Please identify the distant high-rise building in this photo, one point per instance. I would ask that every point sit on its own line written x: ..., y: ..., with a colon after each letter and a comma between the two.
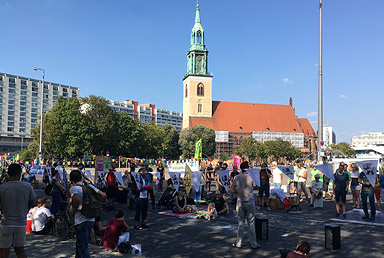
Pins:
x: 20, y: 102
x: 148, y: 112
x: 329, y: 136
x: 374, y: 138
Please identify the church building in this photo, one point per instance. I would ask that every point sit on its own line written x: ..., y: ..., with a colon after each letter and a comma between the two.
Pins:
x: 235, y: 121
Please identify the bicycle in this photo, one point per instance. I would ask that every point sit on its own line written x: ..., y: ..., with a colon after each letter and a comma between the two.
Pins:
x: 63, y: 223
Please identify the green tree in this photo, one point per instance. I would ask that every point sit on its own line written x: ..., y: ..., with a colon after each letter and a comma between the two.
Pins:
x: 101, y: 127
x: 153, y: 139
x: 130, y: 136
x: 281, y: 149
x: 248, y: 147
x: 189, y: 137
x: 224, y: 156
x: 170, y: 145
x: 342, y: 147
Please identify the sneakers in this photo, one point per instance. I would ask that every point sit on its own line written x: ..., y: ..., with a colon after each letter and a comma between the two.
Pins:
x: 237, y: 246
x: 256, y: 247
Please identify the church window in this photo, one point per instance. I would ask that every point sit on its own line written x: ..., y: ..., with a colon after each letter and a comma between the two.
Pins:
x: 186, y: 90
x: 199, y: 108
x: 200, y: 90
x: 198, y: 37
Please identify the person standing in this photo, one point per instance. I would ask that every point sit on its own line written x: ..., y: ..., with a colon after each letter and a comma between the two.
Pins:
x: 245, y: 208
x: 277, y: 176
x: 367, y: 191
x: 57, y: 191
x: 355, y: 186
x: 110, y: 178
x: 142, y: 202
x: 149, y: 176
x: 340, y: 189
x: 316, y: 189
x: 83, y: 225
x: 301, y: 178
x: 16, y: 198
x: 265, y: 175
x: 160, y: 169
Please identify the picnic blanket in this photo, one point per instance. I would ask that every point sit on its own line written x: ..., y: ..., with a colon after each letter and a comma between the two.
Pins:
x: 191, y: 215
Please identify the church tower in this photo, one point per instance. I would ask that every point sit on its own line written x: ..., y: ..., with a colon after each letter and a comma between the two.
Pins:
x: 197, y: 83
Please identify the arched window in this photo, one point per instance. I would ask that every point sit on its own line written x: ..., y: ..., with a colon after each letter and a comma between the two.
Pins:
x: 186, y: 90
x: 200, y: 89
x: 198, y: 37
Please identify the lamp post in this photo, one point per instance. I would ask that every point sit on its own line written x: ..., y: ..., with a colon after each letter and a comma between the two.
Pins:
x: 41, y: 113
x: 320, y: 88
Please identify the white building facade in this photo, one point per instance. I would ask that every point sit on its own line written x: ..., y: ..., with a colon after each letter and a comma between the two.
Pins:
x: 374, y: 138
x: 20, y: 105
x: 329, y: 136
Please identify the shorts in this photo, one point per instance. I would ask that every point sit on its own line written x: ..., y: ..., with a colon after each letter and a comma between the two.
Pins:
x: 111, y: 192
x: 302, y: 187
x: 355, y: 188
x: 325, y: 186
x: 341, y: 196
x: 377, y: 193
x: 12, y: 236
x: 264, y: 191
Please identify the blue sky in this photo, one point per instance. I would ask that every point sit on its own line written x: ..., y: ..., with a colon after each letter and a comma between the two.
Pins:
x: 261, y: 51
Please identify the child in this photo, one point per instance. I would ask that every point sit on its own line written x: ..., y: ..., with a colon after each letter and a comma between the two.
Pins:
x: 211, y: 213
x: 116, y: 231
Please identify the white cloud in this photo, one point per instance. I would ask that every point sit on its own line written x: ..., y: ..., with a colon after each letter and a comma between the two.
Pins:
x: 343, y: 96
x: 314, y: 113
x: 287, y: 80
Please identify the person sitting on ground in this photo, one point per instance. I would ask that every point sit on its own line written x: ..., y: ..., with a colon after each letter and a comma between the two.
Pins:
x: 30, y: 214
x: 316, y: 189
x: 221, y: 204
x: 212, y: 212
x: 302, y: 250
x: 117, y: 231
x: 180, y: 202
x: 43, y: 219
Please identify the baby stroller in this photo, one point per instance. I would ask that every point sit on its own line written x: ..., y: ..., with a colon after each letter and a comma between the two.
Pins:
x: 167, y: 198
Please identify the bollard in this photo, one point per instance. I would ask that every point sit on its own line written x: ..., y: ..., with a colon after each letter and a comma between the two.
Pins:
x: 332, y: 237
x: 261, y: 225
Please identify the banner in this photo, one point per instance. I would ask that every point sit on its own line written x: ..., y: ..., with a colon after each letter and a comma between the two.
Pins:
x: 196, y: 179
x: 36, y: 170
x: 327, y: 170
x: 89, y: 175
x: 288, y: 171
x: 175, y: 176
x: 99, y: 163
x: 187, y: 180
x: 255, y: 175
x: 136, y: 177
x: 119, y: 178
x: 198, y: 150
x: 369, y: 168
x: 155, y: 173
x: 224, y: 178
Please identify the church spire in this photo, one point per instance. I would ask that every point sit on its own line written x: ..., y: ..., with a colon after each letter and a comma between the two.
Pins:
x: 197, y: 17
x: 197, y: 54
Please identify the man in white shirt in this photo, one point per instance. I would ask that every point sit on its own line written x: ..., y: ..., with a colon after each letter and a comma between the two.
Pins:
x: 42, y: 218
x: 277, y: 176
x: 316, y: 189
x: 83, y: 225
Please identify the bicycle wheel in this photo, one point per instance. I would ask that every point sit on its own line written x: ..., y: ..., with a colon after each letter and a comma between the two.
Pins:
x: 61, y: 228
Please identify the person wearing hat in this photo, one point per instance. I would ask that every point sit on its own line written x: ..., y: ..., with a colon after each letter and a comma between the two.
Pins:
x: 316, y: 189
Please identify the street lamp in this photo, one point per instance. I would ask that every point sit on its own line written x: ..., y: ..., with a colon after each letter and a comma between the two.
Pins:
x: 320, y: 87
x: 41, y: 113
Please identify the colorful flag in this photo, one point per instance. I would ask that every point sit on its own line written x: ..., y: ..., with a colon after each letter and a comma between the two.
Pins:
x: 198, y: 150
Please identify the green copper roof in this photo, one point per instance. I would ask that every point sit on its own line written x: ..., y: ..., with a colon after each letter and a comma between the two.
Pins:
x: 197, y: 54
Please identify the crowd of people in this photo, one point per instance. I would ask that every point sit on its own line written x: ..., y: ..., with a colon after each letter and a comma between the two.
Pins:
x: 22, y: 213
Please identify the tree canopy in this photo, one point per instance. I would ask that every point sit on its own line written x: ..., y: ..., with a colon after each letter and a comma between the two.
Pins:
x: 189, y: 137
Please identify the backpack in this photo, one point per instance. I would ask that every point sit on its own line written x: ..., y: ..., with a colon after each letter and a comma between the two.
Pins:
x: 124, y: 247
x: 91, y: 205
x: 111, y: 179
x: 48, y: 189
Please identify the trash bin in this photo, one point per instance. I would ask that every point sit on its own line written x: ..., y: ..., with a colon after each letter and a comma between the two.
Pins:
x: 332, y: 237
x: 261, y: 225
